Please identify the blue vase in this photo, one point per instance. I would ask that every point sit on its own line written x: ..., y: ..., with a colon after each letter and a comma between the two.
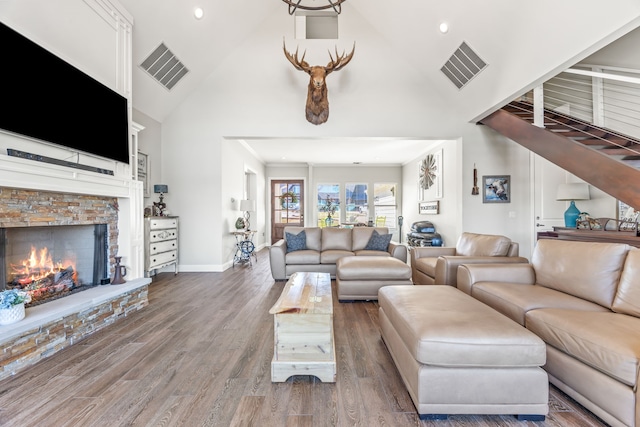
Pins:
x: 328, y: 221
x: 571, y: 215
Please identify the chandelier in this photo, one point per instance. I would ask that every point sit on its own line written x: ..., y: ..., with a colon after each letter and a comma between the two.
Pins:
x: 336, y: 5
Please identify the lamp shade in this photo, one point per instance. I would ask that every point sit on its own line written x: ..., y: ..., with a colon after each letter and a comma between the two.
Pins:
x: 575, y: 191
x: 160, y: 188
x: 248, y: 205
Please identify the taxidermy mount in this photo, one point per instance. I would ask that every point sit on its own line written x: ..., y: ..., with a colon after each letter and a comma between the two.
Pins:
x: 317, y: 109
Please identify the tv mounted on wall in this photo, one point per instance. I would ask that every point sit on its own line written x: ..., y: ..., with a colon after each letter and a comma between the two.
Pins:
x: 46, y: 98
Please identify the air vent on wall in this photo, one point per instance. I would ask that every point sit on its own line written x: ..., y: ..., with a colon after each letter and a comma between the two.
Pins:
x: 463, y: 65
x: 163, y: 66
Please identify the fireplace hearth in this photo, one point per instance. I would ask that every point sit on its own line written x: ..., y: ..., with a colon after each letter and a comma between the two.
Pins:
x: 53, y: 261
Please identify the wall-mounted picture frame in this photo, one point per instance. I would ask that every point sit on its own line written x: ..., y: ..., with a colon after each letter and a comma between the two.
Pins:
x: 496, y: 189
x: 143, y: 173
x: 429, y: 208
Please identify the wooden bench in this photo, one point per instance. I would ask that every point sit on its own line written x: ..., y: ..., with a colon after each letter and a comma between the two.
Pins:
x: 303, y: 329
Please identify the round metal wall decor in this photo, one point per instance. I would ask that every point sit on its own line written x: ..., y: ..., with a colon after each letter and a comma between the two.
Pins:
x: 428, y: 170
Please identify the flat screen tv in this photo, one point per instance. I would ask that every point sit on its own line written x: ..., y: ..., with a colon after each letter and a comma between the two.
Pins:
x: 46, y: 98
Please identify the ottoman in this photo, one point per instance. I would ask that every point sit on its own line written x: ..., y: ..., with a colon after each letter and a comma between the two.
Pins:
x: 457, y: 355
x: 360, y: 277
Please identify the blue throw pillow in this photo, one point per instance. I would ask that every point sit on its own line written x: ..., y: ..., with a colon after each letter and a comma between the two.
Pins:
x: 378, y: 242
x: 296, y: 242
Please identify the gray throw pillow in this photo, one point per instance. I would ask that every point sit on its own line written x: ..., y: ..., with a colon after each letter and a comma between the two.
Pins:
x: 378, y: 242
x: 296, y: 242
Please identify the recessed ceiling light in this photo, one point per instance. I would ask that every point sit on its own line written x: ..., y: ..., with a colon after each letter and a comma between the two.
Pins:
x: 198, y: 12
x: 444, y: 27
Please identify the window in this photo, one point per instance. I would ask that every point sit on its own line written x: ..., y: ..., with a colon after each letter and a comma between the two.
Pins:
x: 328, y: 205
x: 356, y: 203
x: 384, y: 201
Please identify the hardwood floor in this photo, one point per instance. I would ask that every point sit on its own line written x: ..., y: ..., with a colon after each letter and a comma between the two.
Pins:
x: 200, y: 355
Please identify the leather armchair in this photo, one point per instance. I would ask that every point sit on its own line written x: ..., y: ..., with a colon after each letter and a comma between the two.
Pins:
x: 439, y: 265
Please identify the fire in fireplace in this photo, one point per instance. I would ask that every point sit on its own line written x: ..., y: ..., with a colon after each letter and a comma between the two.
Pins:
x: 52, y: 262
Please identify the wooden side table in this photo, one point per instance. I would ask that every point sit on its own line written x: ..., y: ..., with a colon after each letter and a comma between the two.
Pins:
x: 303, y: 329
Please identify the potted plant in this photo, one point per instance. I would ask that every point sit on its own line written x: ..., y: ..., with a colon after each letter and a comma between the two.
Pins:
x: 12, y: 305
x: 330, y: 207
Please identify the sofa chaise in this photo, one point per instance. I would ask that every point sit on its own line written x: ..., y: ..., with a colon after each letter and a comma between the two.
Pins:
x: 583, y: 300
x: 323, y: 247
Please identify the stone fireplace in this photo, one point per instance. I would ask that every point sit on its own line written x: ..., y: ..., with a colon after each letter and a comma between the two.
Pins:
x: 59, y: 205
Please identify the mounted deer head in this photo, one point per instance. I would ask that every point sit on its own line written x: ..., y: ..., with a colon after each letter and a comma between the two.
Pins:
x: 317, y: 109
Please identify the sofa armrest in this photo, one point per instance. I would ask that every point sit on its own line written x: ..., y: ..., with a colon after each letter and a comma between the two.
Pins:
x: 397, y: 250
x: 431, y: 252
x: 470, y: 274
x: 277, y: 253
x: 447, y: 266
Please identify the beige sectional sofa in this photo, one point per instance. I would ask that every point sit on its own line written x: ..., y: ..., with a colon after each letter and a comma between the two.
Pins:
x: 583, y: 300
x: 324, y: 247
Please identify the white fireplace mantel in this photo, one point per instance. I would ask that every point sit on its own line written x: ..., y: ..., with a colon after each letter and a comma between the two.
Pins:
x: 34, y: 175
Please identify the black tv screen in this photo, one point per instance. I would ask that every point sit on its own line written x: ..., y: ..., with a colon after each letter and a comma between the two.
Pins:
x: 46, y: 98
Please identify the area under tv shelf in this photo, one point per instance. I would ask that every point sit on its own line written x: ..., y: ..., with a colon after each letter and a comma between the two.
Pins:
x: 45, y: 159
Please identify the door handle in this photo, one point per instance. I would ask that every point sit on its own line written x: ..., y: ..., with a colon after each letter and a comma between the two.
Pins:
x: 539, y: 225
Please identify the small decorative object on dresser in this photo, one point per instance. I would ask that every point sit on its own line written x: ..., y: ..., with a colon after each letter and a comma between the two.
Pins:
x: 161, y: 243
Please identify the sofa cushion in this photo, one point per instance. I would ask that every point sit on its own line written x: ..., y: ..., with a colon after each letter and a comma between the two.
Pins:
x: 587, y: 270
x: 306, y: 256
x: 627, y: 299
x: 471, y: 244
x: 331, y: 256
x: 314, y: 236
x: 606, y: 341
x: 296, y: 242
x: 336, y: 238
x: 514, y: 300
x: 378, y: 242
x: 361, y: 236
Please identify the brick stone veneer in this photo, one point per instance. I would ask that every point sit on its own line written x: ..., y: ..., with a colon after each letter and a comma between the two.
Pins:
x: 42, y: 341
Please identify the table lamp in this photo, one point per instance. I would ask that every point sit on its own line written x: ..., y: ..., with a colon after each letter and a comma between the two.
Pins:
x: 246, y: 206
x: 572, y: 192
x: 160, y: 206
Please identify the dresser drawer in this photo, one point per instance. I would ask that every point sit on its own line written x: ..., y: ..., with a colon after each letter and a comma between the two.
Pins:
x: 160, y: 235
x: 164, y: 246
x: 159, y: 223
x: 158, y: 260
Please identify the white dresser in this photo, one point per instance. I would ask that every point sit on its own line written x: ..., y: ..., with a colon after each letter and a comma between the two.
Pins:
x: 161, y: 243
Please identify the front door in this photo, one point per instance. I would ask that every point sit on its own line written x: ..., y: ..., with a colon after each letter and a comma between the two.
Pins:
x: 287, y: 206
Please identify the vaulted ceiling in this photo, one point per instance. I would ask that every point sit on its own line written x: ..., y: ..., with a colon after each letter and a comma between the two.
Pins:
x: 524, y: 43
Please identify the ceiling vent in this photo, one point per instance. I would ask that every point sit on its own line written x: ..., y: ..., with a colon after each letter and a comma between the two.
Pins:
x: 463, y: 65
x: 163, y: 66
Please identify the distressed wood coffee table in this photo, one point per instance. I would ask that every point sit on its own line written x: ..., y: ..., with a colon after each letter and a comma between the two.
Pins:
x: 303, y: 329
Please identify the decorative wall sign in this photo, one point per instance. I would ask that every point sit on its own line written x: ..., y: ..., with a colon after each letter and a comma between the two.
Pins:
x: 429, y: 208
x: 496, y: 189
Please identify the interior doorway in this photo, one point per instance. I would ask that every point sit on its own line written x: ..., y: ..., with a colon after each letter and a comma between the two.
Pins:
x: 287, y: 206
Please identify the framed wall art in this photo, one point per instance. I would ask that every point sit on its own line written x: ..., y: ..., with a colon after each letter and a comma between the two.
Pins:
x: 143, y: 172
x: 496, y: 189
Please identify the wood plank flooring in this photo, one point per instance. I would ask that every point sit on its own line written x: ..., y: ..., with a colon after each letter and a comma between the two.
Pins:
x: 200, y: 355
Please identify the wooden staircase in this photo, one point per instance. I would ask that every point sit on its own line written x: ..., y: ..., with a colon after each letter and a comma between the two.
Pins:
x: 601, y: 157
